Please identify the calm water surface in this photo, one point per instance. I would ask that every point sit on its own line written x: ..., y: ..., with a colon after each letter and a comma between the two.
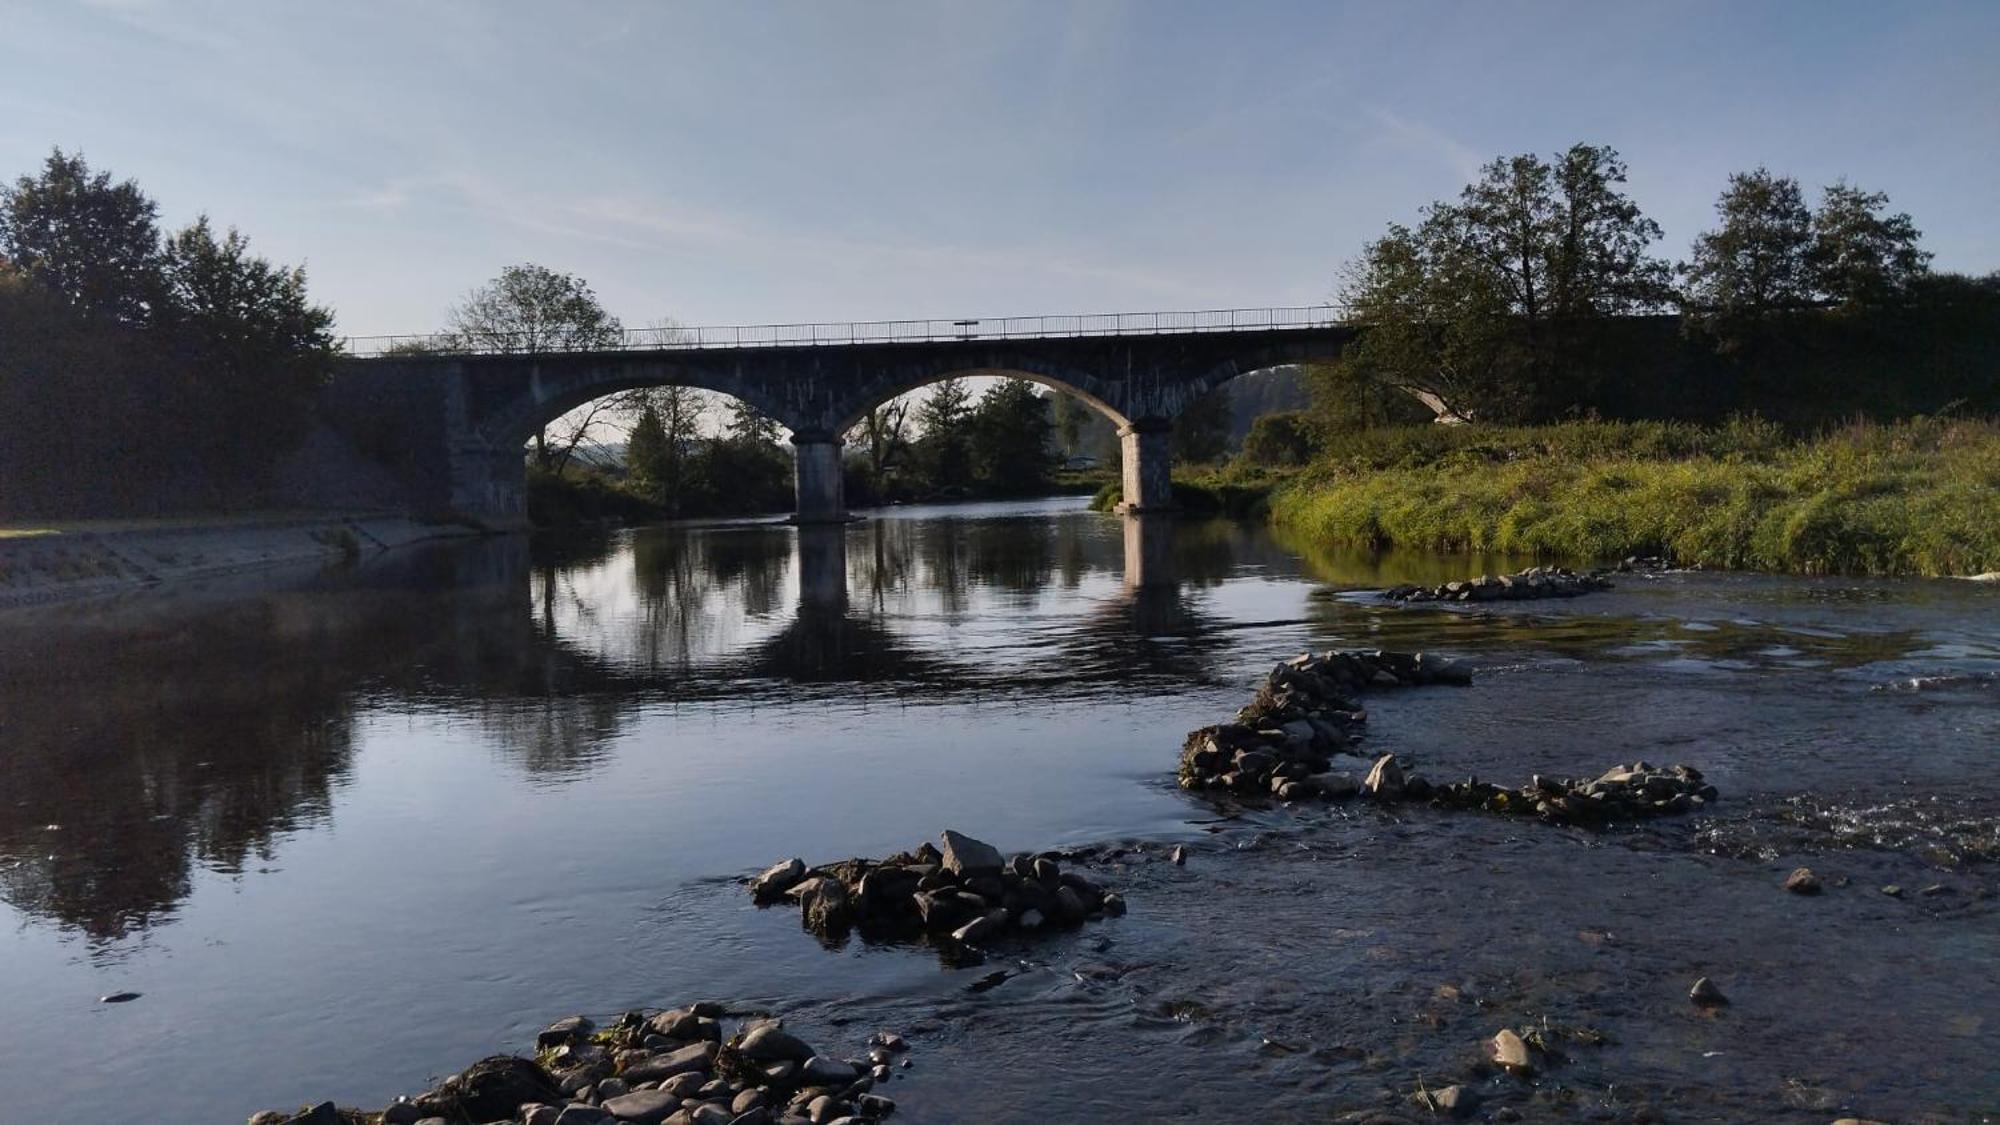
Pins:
x: 350, y: 833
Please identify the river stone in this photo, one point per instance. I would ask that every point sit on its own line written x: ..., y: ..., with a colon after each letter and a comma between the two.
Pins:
x: 563, y: 1031
x: 777, y: 879
x: 770, y: 1042
x: 828, y: 908
x: 964, y: 855
x: 748, y: 1100
x: 647, y: 1107
x: 980, y: 928
x: 491, y: 1089
x: 1706, y: 994
x: 1802, y: 881
x: 1385, y: 780
x: 1453, y: 1101
x: 822, y: 1071
x: 677, y: 1024
x: 574, y: 1114
x: 1511, y: 1052
x: 1335, y: 785
x: 686, y: 1085
x: 755, y: 1115
x: 698, y: 1057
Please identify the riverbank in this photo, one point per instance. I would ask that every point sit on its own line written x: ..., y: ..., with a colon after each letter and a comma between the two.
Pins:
x: 57, y: 562
x: 1912, y: 498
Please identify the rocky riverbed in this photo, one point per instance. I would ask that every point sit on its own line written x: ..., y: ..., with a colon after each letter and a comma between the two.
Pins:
x: 1534, y: 582
x: 682, y: 1066
x: 958, y: 894
x: 1291, y: 740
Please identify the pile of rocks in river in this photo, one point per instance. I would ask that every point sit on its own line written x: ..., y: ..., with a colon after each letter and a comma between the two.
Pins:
x: 962, y: 894
x: 1622, y: 793
x: 678, y: 1067
x: 1283, y: 743
x: 1534, y: 582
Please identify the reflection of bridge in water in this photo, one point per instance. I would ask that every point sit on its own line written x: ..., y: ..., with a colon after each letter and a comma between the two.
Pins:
x: 250, y: 704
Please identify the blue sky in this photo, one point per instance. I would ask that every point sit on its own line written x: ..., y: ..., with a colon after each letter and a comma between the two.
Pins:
x: 754, y: 162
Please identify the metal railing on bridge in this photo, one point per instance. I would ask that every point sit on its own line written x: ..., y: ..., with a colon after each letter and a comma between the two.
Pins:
x: 679, y: 337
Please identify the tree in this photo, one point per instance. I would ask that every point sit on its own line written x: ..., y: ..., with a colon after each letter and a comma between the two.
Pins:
x: 1201, y: 433
x: 531, y: 308
x: 1068, y: 412
x: 257, y: 345
x: 667, y: 464
x: 882, y: 432
x: 1009, y: 437
x: 941, y: 417
x: 646, y: 451
x: 1283, y: 438
x: 1489, y: 303
x: 1861, y: 257
x: 747, y: 423
x: 1757, y: 261
x: 93, y: 243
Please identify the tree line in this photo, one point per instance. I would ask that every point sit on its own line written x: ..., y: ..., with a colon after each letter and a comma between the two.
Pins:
x: 1537, y: 294
x: 142, y: 370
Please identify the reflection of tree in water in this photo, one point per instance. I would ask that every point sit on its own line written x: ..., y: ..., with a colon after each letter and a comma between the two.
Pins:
x: 193, y: 735
x: 196, y: 743
x: 882, y: 565
x: 1017, y: 555
x: 682, y: 576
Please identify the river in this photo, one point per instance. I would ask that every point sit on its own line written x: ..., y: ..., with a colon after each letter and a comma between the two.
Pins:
x: 347, y: 832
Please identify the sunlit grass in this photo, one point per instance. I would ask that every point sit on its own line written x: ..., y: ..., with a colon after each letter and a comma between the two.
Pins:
x: 1917, y: 497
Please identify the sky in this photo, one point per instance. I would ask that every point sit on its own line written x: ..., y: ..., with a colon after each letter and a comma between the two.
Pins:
x: 749, y: 163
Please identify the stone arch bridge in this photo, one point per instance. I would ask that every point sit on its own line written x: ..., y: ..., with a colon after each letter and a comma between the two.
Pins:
x: 452, y: 415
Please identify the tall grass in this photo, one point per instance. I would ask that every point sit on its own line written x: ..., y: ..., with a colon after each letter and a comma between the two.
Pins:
x: 1914, y: 497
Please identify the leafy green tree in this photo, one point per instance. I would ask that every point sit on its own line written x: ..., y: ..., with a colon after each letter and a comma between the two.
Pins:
x: 258, y: 346
x: 671, y: 471
x: 1485, y: 309
x: 1068, y: 413
x: 1344, y: 398
x: 1283, y: 438
x: 92, y: 242
x: 943, y: 446
x: 647, y: 459
x: 1756, y: 261
x: 1201, y: 432
x: 1862, y: 257
x: 531, y: 308
x: 1009, y: 437
x: 747, y: 423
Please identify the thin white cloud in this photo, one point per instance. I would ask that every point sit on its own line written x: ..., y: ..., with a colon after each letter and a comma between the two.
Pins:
x: 1426, y: 140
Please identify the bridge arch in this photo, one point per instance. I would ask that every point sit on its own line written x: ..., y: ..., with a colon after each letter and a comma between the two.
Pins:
x: 1073, y: 384
x: 512, y: 423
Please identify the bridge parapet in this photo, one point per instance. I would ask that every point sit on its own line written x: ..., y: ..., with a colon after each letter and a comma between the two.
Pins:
x: 734, y: 336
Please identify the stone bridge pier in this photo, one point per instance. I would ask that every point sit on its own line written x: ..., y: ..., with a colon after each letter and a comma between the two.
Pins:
x: 446, y: 433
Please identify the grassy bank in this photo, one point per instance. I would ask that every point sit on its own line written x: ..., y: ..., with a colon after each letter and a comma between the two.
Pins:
x: 1917, y: 497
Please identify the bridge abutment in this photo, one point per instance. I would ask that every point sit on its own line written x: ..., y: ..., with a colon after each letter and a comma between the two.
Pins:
x: 816, y: 477
x: 1147, y: 449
